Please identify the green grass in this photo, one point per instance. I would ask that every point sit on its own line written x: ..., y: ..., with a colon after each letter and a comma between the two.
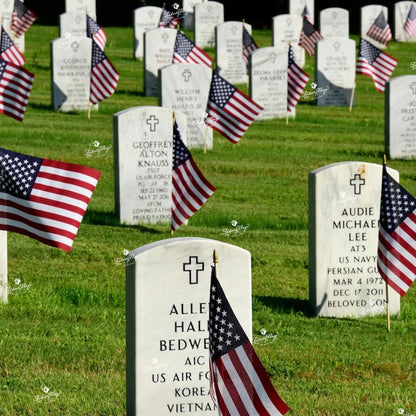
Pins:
x: 67, y: 330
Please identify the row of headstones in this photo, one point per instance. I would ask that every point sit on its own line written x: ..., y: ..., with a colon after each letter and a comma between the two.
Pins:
x: 170, y: 360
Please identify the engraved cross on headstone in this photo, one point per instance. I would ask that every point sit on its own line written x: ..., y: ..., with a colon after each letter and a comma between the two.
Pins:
x: 186, y: 75
x: 357, y: 182
x: 336, y: 45
x: 412, y: 86
x: 152, y: 121
x: 165, y: 37
x: 193, y: 267
x: 75, y: 46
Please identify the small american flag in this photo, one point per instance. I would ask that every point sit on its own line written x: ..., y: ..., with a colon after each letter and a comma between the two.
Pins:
x: 249, y: 45
x: 9, y: 51
x: 104, y: 77
x: 375, y: 64
x: 307, y: 14
x: 410, y: 23
x: 95, y: 31
x: 186, y: 51
x: 309, y: 36
x: 380, y: 30
x: 15, y: 87
x: 22, y: 18
x: 190, y: 189
x: 167, y: 19
x: 296, y: 81
x: 240, y: 384
x: 230, y: 111
x: 396, y: 260
x: 44, y: 199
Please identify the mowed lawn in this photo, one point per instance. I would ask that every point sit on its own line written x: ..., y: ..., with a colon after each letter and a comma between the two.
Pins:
x: 62, y: 334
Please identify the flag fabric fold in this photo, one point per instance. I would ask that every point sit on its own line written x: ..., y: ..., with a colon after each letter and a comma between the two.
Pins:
x: 410, y: 23
x: 240, y: 384
x: 22, y: 18
x: 249, y: 45
x: 307, y: 14
x: 396, y: 260
x: 9, y: 51
x: 104, y: 77
x: 230, y: 111
x: 375, y: 64
x: 167, y: 19
x: 96, y: 32
x: 380, y: 30
x: 309, y: 36
x: 297, y: 79
x: 190, y: 189
x: 44, y: 199
x: 15, y: 87
x: 186, y: 51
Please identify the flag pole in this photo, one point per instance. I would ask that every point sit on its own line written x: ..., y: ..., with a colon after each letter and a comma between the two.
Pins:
x: 352, y: 95
x: 387, y: 287
x: 215, y: 259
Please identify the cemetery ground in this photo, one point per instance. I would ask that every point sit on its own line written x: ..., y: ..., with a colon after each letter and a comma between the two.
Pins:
x: 62, y: 334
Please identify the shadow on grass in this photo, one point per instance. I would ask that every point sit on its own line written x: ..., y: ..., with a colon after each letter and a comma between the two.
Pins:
x: 110, y: 219
x: 286, y: 305
x: 131, y: 93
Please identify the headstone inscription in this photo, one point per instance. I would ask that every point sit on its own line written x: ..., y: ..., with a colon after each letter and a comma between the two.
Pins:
x: 335, y: 71
x: 268, y: 81
x: 158, y: 52
x: 286, y: 29
x: 86, y: 6
x: 71, y: 73
x: 185, y: 87
x: 334, y: 21
x: 229, y: 51
x: 206, y: 16
x: 400, y: 125
x: 167, y: 304
x: 73, y: 24
x: 298, y: 6
x: 6, y: 11
x: 188, y: 13
x: 143, y: 138
x: 401, y: 11
x: 368, y: 15
x: 3, y: 266
x: 344, y: 209
x: 144, y: 18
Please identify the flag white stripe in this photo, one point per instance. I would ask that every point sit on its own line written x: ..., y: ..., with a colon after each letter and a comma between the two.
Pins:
x: 69, y: 174
x: 64, y: 186
x: 62, y: 198
x: 224, y: 393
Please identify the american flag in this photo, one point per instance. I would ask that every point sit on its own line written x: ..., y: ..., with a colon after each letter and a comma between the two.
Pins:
x: 104, y: 77
x: 44, y: 199
x: 22, y: 18
x: 230, y: 111
x: 15, y: 86
x: 190, y: 189
x: 375, y: 64
x: 167, y: 19
x: 9, y: 51
x: 186, y: 51
x: 249, y: 45
x: 306, y: 13
x: 296, y: 81
x: 396, y: 260
x: 380, y: 30
x: 410, y: 23
x: 309, y: 36
x: 95, y: 31
x: 240, y: 384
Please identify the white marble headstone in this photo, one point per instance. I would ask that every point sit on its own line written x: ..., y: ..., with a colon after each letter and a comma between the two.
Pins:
x: 401, y: 11
x: 400, y: 121
x: 344, y: 210
x: 3, y: 266
x: 6, y: 11
x: 368, y: 15
x: 71, y: 73
x: 143, y: 140
x: 73, y: 24
x: 87, y: 6
x: 185, y: 87
x: 268, y: 81
x: 206, y: 16
x: 334, y: 21
x: 144, y: 18
x: 188, y: 13
x: 229, y: 51
x: 286, y: 29
x: 297, y: 6
x: 167, y: 309
x: 335, y: 71
x: 158, y: 52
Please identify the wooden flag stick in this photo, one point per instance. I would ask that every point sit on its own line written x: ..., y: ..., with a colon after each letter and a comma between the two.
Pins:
x: 352, y: 96
x: 387, y: 287
x: 215, y: 259
x: 205, y: 139
x: 89, y: 110
x: 287, y: 117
